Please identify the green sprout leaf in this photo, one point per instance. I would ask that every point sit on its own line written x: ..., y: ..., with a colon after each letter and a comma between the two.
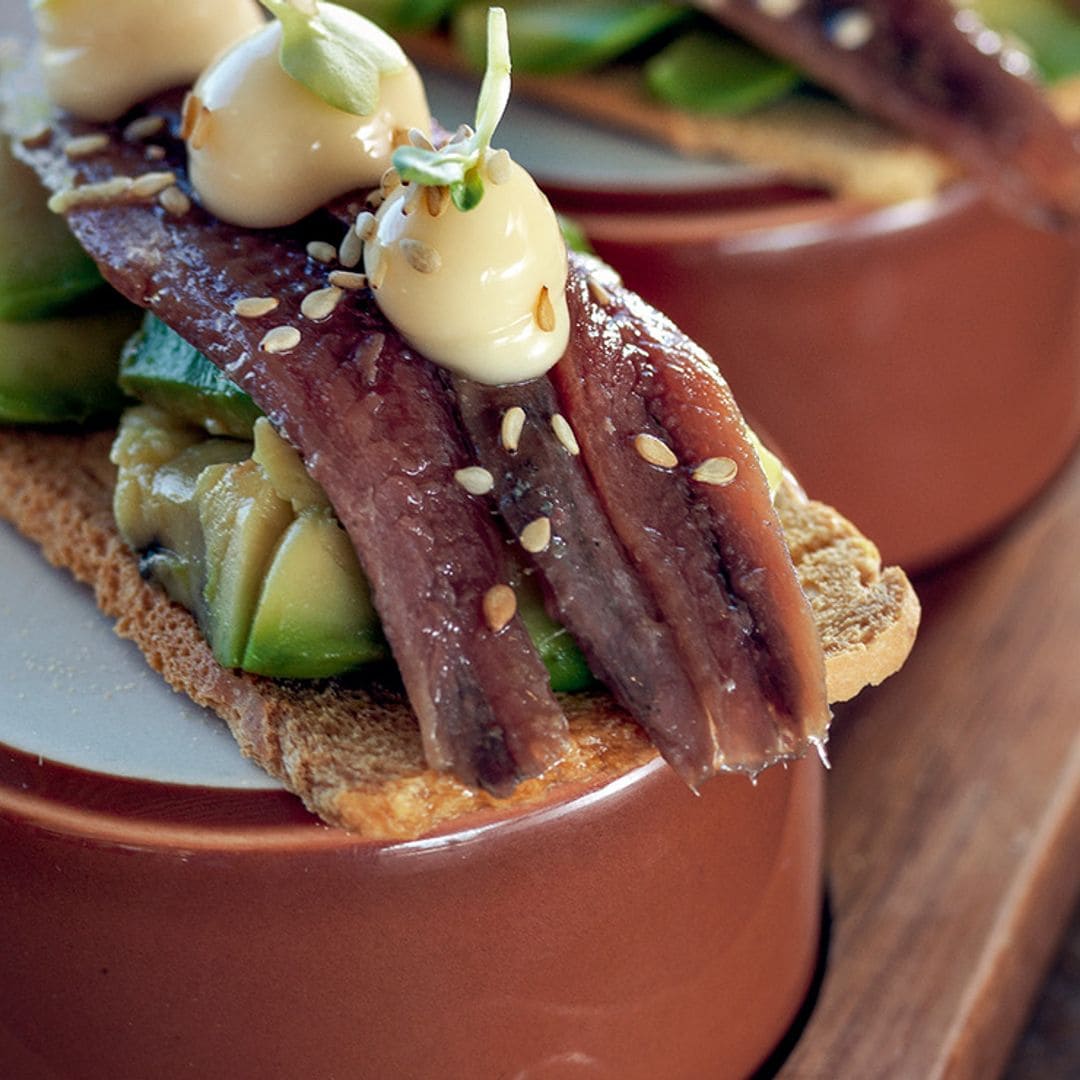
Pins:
x: 457, y: 165
x: 337, y: 54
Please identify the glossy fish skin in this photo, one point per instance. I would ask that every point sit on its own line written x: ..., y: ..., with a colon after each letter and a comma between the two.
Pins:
x: 914, y: 64
x: 591, y: 586
x: 376, y: 429
x: 714, y: 557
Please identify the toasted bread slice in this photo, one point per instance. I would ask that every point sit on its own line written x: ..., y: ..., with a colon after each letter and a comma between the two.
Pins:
x: 352, y: 752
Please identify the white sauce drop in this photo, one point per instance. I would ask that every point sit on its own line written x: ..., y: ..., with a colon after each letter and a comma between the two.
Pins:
x: 271, y: 151
x: 476, y: 313
x: 100, y: 59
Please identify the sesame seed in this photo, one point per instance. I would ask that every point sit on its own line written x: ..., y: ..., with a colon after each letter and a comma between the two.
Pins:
x: 152, y: 184
x: 255, y: 307
x: 175, y: 201
x: 718, y: 471
x: 422, y: 257
x: 38, y: 138
x: 536, y: 536
x: 420, y: 139
x: 145, y: 127
x: 389, y: 181
x: 399, y: 138
x: 377, y: 274
x: 598, y: 292
x: 281, y: 339
x: 498, y: 166
x: 500, y: 606
x: 320, y: 304
x: 475, y: 480
x: 779, y: 9
x: 365, y: 225
x: 86, y: 146
x: 463, y: 134
x: 851, y: 28
x: 437, y: 199
x: 655, y: 452
x: 100, y: 194
x: 351, y: 250
x: 321, y: 251
x: 544, y: 313
x: 375, y: 199
x: 513, y: 423
x: 565, y: 434
x: 345, y: 279
x: 412, y: 199
x: 154, y: 152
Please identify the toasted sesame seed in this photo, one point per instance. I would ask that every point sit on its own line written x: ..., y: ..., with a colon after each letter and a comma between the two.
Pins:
x: 597, y: 291
x: 175, y: 201
x: 154, y: 152
x: 351, y: 250
x: 420, y: 139
x: 389, y: 181
x: 536, y: 536
x: 718, y: 471
x: 500, y: 606
x: 365, y: 225
x: 194, y: 122
x: 655, y: 452
x: 475, y: 480
x: 779, y: 9
x: 565, y: 434
x: 320, y: 304
x: 437, y: 199
x: 321, y: 251
x: 35, y: 140
x: 85, y: 146
x: 851, y: 28
x: 152, y: 184
x: 144, y: 127
x: 420, y: 256
x: 499, y: 166
x: 99, y: 194
x: 346, y: 279
x: 377, y: 274
x: 280, y: 339
x: 255, y: 307
x: 513, y: 423
x: 544, y: 313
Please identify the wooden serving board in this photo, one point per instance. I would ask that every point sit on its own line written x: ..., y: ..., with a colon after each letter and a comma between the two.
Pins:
x: 954, y: 816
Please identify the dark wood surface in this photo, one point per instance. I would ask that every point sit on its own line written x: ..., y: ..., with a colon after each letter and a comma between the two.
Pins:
x: 954, y: 818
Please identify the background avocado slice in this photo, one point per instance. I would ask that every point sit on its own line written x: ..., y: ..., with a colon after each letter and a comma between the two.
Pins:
x: 42, y: 268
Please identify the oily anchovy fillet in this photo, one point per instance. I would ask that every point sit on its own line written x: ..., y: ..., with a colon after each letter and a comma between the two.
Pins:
x: 592, y: 588
x: 915, y: 64
x: 375, y: 428
x: 669, y: 455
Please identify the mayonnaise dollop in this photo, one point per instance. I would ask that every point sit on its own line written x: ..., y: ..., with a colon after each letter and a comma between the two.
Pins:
x: 99, y: 59
x: 264, y: 151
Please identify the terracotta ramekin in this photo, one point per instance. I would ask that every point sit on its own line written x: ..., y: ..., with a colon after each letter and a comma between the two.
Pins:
x: 917, y: 365
x: 630, y: 931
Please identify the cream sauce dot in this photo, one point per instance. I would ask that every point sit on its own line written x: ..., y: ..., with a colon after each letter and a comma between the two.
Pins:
x: 269, y: 151
x: 476, y: 312
x: 99, y: 59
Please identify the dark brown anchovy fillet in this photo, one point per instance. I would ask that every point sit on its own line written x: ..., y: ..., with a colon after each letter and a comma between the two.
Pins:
x: 912, y: 63
x: 376, y: 428
x: 592, y: 588
x: 714, y: 557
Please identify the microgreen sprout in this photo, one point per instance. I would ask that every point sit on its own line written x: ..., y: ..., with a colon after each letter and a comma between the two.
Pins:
x: 336, y: 53
x: 458, y: 165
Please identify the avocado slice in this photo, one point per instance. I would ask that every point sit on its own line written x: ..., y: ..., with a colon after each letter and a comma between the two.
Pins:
x: 314, y: 616
x: 42, y: 268
x: 161, y: 368
x: 62, y: 369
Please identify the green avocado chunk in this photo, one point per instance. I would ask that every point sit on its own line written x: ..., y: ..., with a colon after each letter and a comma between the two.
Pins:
x: 42, y: 268
x: 160, y: 368
x: 63, y: 369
